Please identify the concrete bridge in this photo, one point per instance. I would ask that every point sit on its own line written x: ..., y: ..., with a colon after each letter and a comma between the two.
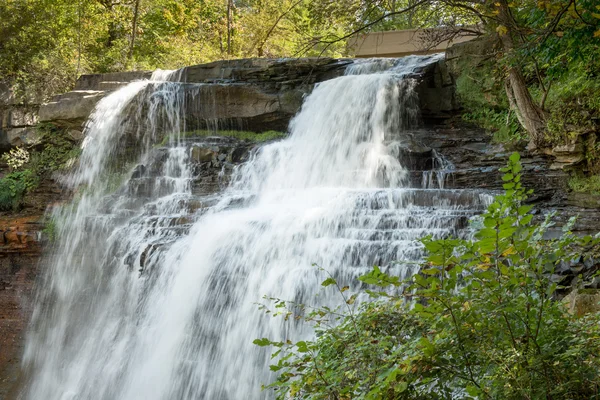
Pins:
x: 402, y: 43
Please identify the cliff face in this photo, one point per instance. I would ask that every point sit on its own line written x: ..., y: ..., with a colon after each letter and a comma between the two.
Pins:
x: 23, y: 241
x: 257, y: 95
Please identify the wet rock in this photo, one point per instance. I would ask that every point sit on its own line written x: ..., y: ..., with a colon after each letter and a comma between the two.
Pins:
x: 138, y: 171
x: 583, y: 200
x: 202, y: 154
x: 75, y: 134
x: 437, y: 95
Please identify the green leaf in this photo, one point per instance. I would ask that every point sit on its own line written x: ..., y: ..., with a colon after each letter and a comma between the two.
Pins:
x: 524, y: 210
x: 430, y: 271
x: 302, y: 347
x: 262, y: 342
x: 401, y: 387
x: 328, y: 282
x: 486, y: 233
x: 474, y: 390
x: 489, y: 222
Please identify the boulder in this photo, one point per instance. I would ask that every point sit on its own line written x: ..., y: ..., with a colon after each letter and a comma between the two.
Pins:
x: 111, y: 79
x: 436, y: 92
x: 72, y: 108
x: 19, y: 116
x: 583, y: 301
x: 202, y: 154
x: 22, y: 136
x: 469, y: 54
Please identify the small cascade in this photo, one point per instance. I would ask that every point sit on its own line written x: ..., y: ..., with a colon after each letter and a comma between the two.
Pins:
x: 152, y: 290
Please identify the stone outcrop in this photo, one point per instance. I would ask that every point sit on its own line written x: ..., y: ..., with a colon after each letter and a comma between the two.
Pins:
x: 248, y: 94
x: 17, y: 120
x: 583, y: 301
x: 24, y: 237
x: 20, y: 255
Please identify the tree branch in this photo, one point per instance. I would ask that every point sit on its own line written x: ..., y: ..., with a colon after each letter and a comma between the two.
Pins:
x: 270, y: 31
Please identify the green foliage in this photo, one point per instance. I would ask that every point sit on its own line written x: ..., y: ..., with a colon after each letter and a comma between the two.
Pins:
x: 50, y: 229
x: 52, y: 152
x: 480, y: 321
x: 481, y: 93
x: 56, y: 151
x: 13, y: 188
x: 574, y: 105
x: 503, y: 124
x: 585, y: 184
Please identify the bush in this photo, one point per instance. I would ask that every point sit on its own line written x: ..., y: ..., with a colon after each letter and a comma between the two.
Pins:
x: 480, y: 321
x: 585, y: 184
x: 51, y: 153
x: 574, y: 105
x: 13, y: 188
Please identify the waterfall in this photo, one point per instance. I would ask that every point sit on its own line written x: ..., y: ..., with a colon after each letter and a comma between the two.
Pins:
x: 152, y: 290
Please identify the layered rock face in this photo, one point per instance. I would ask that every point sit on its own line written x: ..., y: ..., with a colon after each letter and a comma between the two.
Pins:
x: 23, y: 240
x: 251, y: 94
x: 17, y: 120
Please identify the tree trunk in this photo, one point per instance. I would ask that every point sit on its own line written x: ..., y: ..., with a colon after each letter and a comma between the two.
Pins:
x: 229, y: 27
x: 530, y: 116
x: 134, y: 28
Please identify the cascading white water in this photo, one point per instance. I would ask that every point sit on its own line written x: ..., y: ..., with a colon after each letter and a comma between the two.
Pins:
x: 133, y: 308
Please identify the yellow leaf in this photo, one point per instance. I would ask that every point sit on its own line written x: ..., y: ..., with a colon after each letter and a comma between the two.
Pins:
x: 597, y: 33
x: 502, y: 30
x: 510, y: 250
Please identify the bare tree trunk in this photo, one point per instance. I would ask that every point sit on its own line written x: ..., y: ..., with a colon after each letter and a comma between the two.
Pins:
x: 134, y: 27
x: 78, y: 39
x: 229, y: 26
x: 530, y: 116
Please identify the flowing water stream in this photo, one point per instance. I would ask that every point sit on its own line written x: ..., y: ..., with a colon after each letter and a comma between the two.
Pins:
x: 152, y: 290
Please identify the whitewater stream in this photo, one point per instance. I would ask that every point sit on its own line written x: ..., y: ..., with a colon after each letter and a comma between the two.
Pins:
x: 152, y: 288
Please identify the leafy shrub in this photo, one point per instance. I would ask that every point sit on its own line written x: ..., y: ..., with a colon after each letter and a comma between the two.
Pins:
x: 51, y: 153
x: 480, y: 321
x: 585, y: 184
x: 16, y: 157
x: 574, y: 105
x: 13, y: 188
x: 56, y: 152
